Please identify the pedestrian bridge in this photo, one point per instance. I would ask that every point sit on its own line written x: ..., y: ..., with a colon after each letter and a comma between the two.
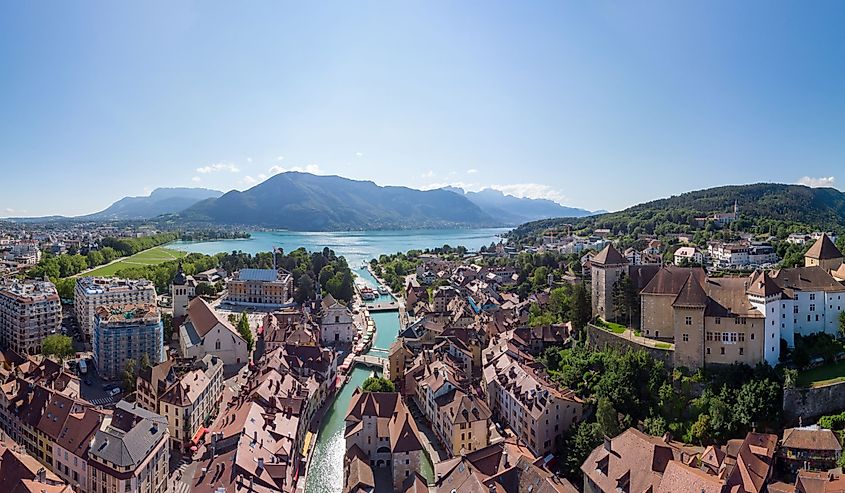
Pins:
x: 374, y: 362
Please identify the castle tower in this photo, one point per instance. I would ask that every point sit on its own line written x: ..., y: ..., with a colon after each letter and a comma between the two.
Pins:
x: 181, y: 291
x: 823, y: 254
x: 607, y: 267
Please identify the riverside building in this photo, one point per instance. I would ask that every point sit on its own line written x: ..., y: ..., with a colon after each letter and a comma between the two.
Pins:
x: 259, y: 288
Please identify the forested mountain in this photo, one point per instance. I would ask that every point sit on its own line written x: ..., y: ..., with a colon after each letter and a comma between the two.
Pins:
x: 772, y: 208
x: 306, y: 202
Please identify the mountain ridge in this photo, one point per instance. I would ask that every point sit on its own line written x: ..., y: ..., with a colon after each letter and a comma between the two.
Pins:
x: 516, y: 210
x: 307, y: 202
x: 160, y: 201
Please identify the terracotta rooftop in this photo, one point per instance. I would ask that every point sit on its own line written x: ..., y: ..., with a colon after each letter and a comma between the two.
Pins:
x: 823, y: 249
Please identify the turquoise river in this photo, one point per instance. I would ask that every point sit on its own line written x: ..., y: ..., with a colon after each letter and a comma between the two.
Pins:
x: 325, y: 473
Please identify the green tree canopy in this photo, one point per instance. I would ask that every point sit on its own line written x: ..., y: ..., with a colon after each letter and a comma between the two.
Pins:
x: 58, y: 345
x: 245, y: 332
x: 378, y: 384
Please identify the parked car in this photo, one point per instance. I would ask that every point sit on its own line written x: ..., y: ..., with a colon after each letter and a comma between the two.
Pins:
x: 113, y: 392
x: 83, y: 367
x: 109, y: 386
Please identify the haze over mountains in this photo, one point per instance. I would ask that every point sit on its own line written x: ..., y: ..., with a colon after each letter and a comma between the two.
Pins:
x: 516, y: 210
x: 160, y: 201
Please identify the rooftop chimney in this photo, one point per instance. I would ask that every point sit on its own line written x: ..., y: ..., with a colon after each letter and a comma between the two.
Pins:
x: 607, y: 444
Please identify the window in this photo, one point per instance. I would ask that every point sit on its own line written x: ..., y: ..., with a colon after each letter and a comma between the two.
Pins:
x: 688, y: 320
x: 708, y: 350
x: 812, y: 307
x: 726, y: 338
x: 217, y: 345
x: 741, y: 351
x: 752, y: 336
x: 722, y: 349
x: 812, y: 296
x: 795, y: 309
x: 709, y: 336
x: 741, y: 336
x: 686, y: 337
x: 718, y: 320
x: 733, y: 336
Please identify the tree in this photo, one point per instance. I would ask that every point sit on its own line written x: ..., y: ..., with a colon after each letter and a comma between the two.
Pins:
x: 607, y: 418
x: 58, y: 345
x: 581, y: 311
x: 625, y: 299
x: 245, y: 332
x: 130, y: 375
x: 842, y: 324
x: 378, y: 384
x: 167, y: 326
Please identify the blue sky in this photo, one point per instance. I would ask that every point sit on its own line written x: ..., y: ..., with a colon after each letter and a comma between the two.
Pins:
x: 593, y: 104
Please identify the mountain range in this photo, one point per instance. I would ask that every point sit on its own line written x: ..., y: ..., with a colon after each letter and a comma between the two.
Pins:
x: 306, y: 202
x: 516, y: 210
x: 160, y: 201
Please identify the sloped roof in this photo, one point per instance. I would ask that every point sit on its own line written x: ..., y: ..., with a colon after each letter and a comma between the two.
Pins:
x: 761, y: 284
x: 823, y: 249
x: 691, y: 294
x: 203, y: 317
x: 810, y: 439
x: 609, y: 256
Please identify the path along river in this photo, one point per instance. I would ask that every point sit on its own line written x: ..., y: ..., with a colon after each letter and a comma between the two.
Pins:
x: 325, y: 473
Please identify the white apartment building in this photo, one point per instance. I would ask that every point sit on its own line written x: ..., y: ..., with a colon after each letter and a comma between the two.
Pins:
x: 93, y: 292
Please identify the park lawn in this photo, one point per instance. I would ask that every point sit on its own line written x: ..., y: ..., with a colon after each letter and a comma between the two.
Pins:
x: 822, y: 375
x: 153, y: 256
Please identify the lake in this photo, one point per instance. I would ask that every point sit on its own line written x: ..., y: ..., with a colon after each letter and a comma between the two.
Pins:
x: 356, y: 246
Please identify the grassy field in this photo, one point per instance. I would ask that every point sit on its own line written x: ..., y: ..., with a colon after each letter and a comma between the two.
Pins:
x: 611, y: 326
x: 822, y: 375
x: 153, y: 256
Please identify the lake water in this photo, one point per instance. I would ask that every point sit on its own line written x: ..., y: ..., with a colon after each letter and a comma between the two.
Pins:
x: 325, y: 473
x: 356, y: 246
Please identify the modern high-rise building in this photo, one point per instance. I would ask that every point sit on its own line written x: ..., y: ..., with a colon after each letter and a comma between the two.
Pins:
x: 93, y: 292
x: 29, y: 312
x: 124, y: 333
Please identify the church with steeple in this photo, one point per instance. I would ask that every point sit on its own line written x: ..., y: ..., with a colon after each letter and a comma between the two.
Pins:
x: 182, y: 290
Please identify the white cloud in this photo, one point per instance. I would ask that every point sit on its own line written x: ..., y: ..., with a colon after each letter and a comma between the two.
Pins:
x: 521, y: 190
x: 249, y: 159
x: 249, y: 180
x: 214, y: 168
x: 280, y: 158
x: 531, y: 191
x: 310, y: 168
x: 427, y: 174
x: 9, y: 210
x: 823, y: 181
x: 472, y: 171
x: 195, y: 179
x: 359, y: 154
x: 262, y: 176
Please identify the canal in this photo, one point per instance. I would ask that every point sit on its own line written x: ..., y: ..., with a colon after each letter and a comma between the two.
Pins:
x: 325, y: 473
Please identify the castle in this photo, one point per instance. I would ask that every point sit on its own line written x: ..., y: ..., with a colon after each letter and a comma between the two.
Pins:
x: 720, y: 321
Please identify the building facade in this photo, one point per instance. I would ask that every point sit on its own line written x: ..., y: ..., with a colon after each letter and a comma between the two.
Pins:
x: 129, y: 452
x: 124, y: 333
x: 91, y: 293
x: 259, y: 288
x: 29, y: 312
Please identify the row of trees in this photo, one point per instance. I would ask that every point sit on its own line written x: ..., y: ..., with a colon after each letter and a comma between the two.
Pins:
x: 56, y: 267
x: 570, y: 302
